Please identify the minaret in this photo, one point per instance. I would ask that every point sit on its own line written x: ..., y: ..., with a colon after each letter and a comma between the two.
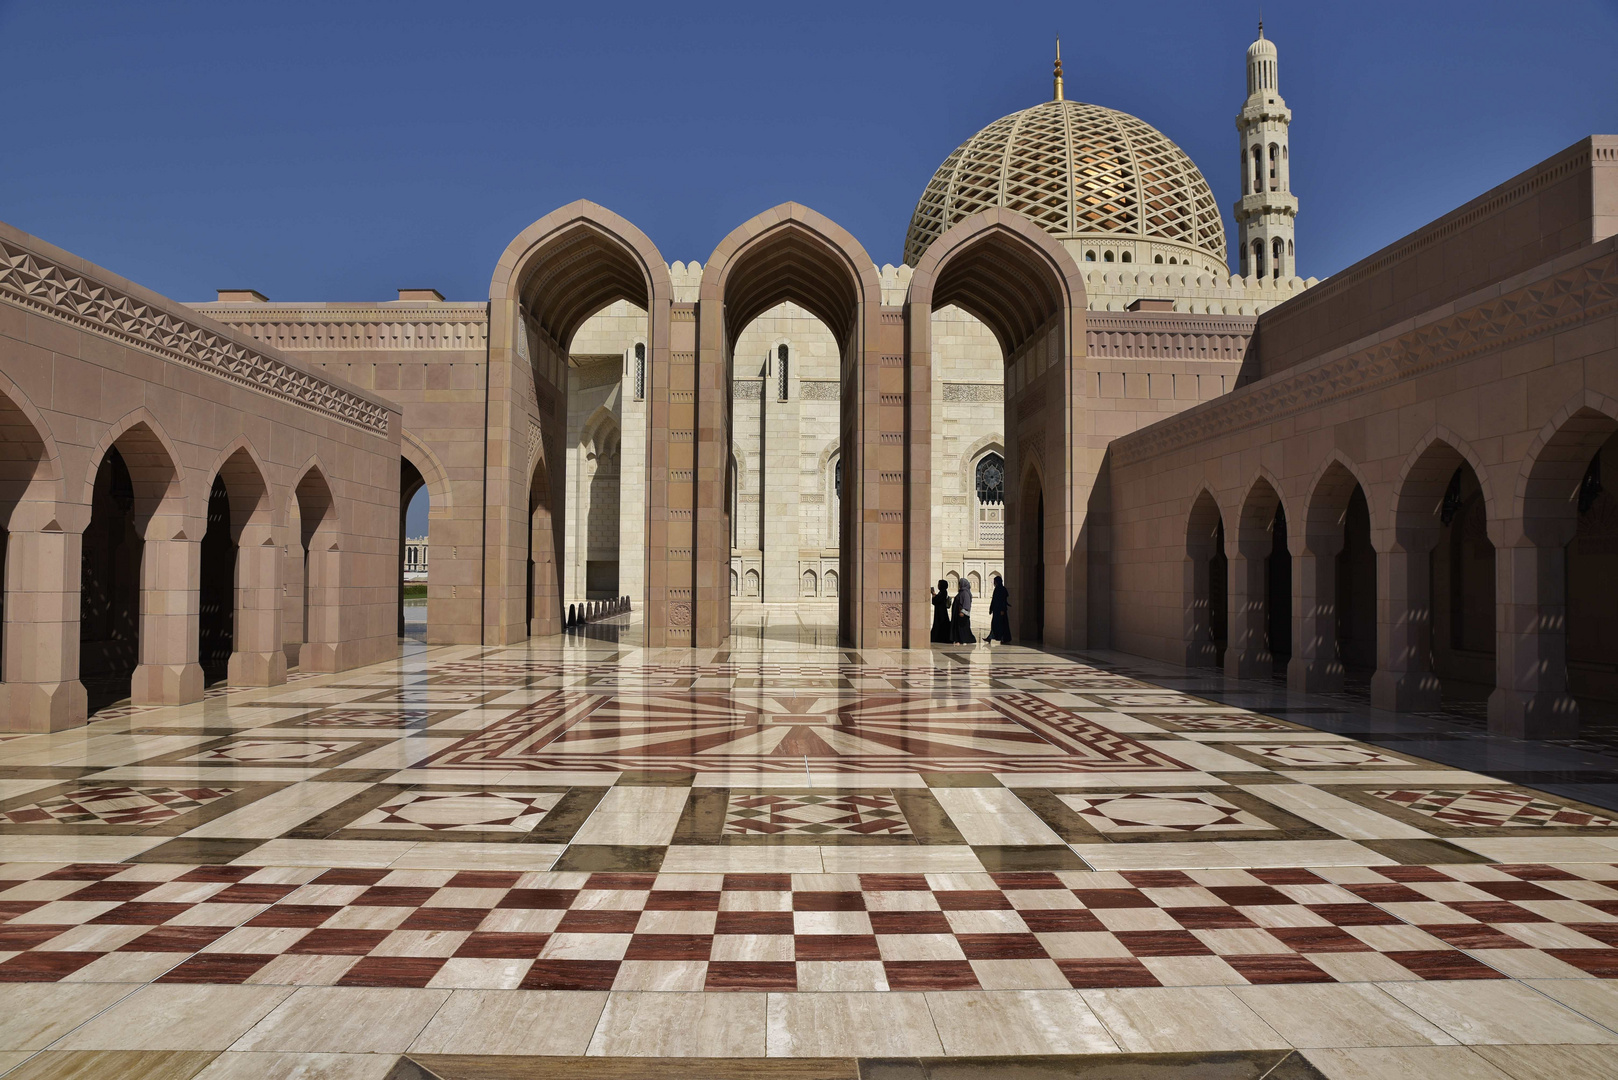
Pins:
x: 1265, y: 212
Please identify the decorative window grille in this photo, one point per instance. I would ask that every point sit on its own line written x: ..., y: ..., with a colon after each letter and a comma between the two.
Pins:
x: 991, y: 492
x: 640, y: 371
x: 837, y: 478
x: 781, y: 355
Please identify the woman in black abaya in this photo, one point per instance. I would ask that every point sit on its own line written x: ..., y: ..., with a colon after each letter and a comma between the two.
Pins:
x: 941, y: 625
x: 999, y: 612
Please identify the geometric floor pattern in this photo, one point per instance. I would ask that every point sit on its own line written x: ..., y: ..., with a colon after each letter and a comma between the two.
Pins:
x: 781, y: 858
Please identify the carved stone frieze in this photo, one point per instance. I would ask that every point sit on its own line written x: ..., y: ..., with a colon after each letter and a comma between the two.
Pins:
x: 1554, y: 303
x: 463, y: 328
x: 41, y: 286
x: 820, y: 390
x: 960, y: 391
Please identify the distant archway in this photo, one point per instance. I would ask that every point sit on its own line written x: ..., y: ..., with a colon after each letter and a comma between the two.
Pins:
x: 1205, y: 575
x: 1010, y: 275
x: 791, y: 254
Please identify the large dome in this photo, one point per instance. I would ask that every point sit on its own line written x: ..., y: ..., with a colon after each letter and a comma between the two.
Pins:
x: 1079, y: 171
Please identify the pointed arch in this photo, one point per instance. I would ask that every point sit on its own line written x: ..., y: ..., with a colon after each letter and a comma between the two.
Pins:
x: 1425, y: 474
x: 432, y: 470
x: 1327, y: 494
x: 1025, y: 287
x: 1546, y: 487
x: 790, y: 253
x: 30, y: 466
x: 154, y: 467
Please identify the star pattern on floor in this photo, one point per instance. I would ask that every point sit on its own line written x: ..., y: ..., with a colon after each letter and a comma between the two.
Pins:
x: 862, y: 814
x: 1185, y: 811
x: 445, y: 811
x: 1486, y: 808
x: 116, y: 804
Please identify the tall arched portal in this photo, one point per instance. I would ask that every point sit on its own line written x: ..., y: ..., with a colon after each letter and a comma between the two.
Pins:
x: 1021, y: 283
x: 554, y: 276
x: 792, y: 254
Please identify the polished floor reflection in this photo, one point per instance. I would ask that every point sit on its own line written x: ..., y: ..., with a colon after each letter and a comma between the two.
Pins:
x: 485, y: 858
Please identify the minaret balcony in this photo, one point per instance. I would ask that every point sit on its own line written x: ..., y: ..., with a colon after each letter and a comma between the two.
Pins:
x: 1266, y: 202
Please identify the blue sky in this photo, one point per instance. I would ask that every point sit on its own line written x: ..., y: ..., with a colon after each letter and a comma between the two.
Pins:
x: 338, y: 151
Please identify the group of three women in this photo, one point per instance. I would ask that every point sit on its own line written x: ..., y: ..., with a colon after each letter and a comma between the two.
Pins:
x: 952, y: 615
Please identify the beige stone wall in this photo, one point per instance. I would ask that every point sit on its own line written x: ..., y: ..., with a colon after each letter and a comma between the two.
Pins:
x: 89, y: 362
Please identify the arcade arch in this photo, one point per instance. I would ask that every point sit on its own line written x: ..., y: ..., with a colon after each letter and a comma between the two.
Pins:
x: 792, y: 254
x: 1206, y: 578
x: 1025, y: 287
x: 555, y: 275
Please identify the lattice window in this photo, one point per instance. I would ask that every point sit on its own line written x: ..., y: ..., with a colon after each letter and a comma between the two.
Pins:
x: 990, y: 477
x: 782, y: 354
x: 640, y: 371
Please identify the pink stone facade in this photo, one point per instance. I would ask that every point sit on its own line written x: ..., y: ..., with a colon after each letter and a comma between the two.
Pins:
x: 1473, y: 364
x: 95, y: 370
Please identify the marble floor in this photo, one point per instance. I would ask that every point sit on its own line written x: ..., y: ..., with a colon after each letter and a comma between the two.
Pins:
x: 581, y: 857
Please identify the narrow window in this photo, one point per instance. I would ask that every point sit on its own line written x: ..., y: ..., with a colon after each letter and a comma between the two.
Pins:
x: 1258, y: 169
x: 1128, y: 258
x: 640, y: 371
x: 1275, y: 159
x: 781, y: 355
x: 1258, y: 258
x: 1106, y: 256
x: 837, y: 478
x: 1280, y: 249
x: 1158, y: 259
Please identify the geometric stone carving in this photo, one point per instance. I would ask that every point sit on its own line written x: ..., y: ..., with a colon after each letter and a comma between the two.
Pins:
x: 30, y: 281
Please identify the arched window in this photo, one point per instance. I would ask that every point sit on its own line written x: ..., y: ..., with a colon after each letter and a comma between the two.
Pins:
x: 1106, y: 256
x: 1258, y: 169
x: 781, y: 355
x: 750, y: 583
x: 640, y: 371
x: 1128, y: 257
x: 735, y: 584
x: 810, y: 583
x: 1173, y: 261
x: 990, y: 488
x: 1089, y: 256
x: 1158, y: 259
x: 1279, y: 251
x: 1258, y: 258
x: 831, y: 583
x: 1290, y: 252
x: 1275, y: 160
x: 735, y: 503
x: 837, y: 478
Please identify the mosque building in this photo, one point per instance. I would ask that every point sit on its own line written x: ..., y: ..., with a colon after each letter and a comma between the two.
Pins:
x: 1167, y: 440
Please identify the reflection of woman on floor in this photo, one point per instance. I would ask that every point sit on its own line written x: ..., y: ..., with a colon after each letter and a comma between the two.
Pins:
x: 999, y: 612
x: 963, y: 614
x: 941, y: 628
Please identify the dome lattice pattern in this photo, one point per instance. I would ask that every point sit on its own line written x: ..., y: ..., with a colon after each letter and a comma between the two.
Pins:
x: 1076, y: 170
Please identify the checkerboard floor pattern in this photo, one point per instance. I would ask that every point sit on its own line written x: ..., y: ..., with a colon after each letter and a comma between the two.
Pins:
x: 584, y: 931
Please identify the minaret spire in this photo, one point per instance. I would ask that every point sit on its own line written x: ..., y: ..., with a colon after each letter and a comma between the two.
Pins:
x: 1057, y: 74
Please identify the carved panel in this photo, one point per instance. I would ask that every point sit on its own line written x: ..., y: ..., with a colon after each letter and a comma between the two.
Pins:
x: 41, y: 286
x: 820, y: 390
x: 960, y: 391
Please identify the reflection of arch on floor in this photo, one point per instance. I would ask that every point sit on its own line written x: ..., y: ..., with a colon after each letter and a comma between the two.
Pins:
x: 1024, y: 286
x: 1205, y: 573
x: 787, y: 254
x: 555, y: 275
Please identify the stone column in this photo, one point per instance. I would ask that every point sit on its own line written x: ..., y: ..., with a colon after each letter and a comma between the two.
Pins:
x: 42, y: 691
x: 1315, y: 666
x: 1248, y: 656
x: 1530, y: 699
x: 170, y: 598
x: 1404, y: 679
x: 258, y: 657
x: 323, y: 634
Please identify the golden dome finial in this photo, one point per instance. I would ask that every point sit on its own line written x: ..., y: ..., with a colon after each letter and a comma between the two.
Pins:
x: 1058, y: 72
